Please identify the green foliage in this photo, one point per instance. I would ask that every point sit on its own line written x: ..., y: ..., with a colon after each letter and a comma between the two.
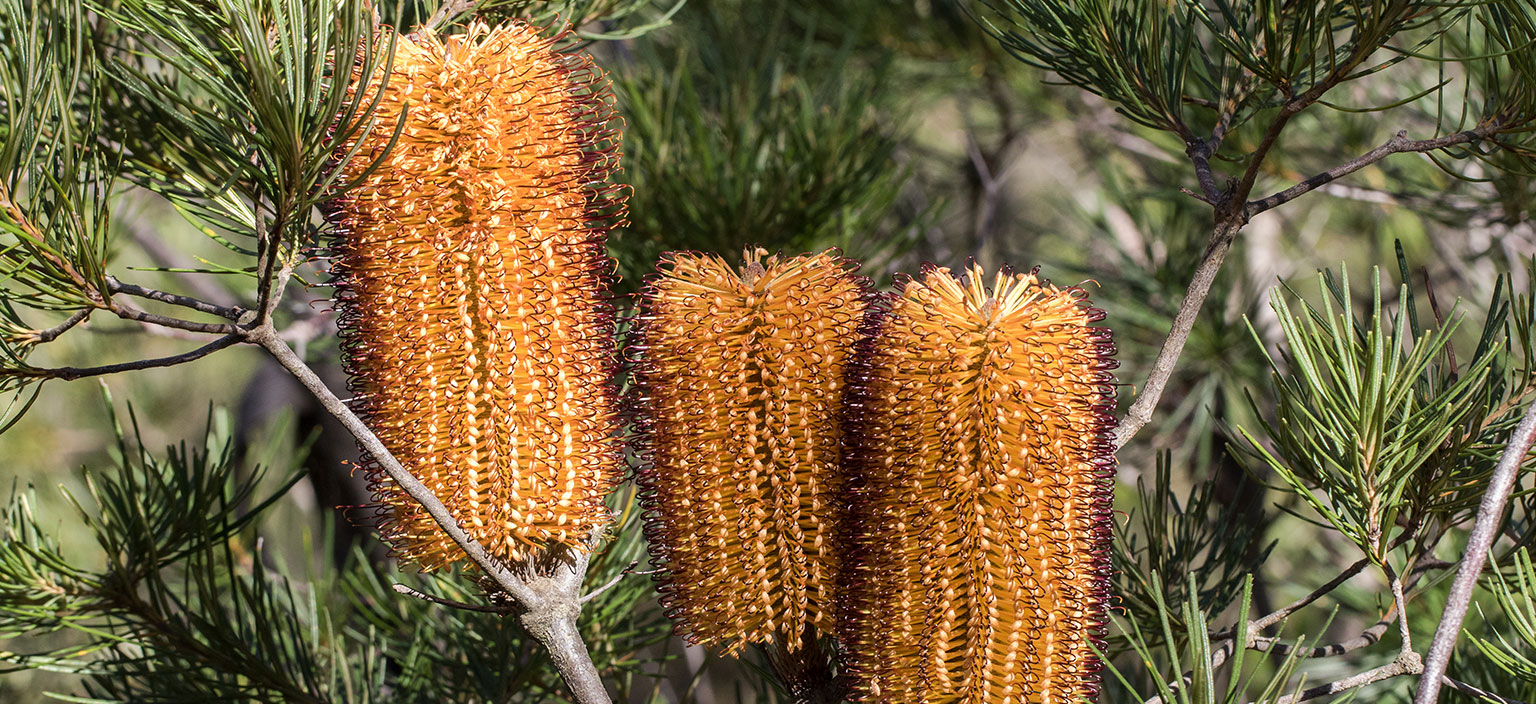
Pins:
x: 1135, y: 54
x: 1377, y: 424
x: 1510, y: 650
x: 251, y: 112
x: 1177, y: 66
x: 184, y: 609
x: 53, y: 186
x: 1216, y: 544
x: 1190, y: 675
x: 1501, y: 81
x: 748, y: 134
x: 590, y: 19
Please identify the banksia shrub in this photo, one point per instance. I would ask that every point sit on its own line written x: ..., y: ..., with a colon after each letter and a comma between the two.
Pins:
x: 739, y: 384
x: 980, y: 495
x: 473, y: 281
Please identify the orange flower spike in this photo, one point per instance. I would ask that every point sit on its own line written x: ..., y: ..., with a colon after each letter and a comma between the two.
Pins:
x: 979, y: 497
x: 472, y: 281
x: 739, y: 387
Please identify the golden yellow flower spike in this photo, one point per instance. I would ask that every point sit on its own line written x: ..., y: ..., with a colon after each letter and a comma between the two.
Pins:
x: 473, y: 284
x: 740, y: 381
x: 980, y: 495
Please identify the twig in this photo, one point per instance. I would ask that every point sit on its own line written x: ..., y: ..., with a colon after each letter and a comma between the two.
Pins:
x: 401, y: 588
x: 226, y: 312
x: 1401, y: 603
x: 1291, y: 608
x: 1168, y: 358
x: 1406, y: 664
x: 611, y: 583
x: 72, y: 373
x: 1186, y: 191
x: 447, y: 11
x: 1489, y: 514
x: 548, y: 591
x: 1230, y: 218
x: 1397, y: 144
x: 1366, y: 639
x: 38, y: 337
x: 1465, y: 688
x: 127, y: 312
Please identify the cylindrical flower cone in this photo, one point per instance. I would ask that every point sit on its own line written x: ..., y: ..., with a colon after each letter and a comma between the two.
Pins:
x: 739, y: 381
x: 473, y: 285
x: 980, y: 495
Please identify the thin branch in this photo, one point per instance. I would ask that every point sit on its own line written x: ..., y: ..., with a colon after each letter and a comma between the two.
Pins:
x: 226, y: 312
x: 548, y: 592
x: 611, y: 583
x: 1232, y: 212
x: 447, y: 11
x: 72, y: 373
x: 1366, y: 639
x: 1284, y: 612
x: 1465, y: 688
x: 37, y: 337
x: 1195, y: 195
x: 1167, y: 359
x: 127, y: 312
x: 1407, y: 664
x: 1231, y: 215
x: 1489, y: 513
x: 1400, y: 602
x: 401, y: 588
x: 1399, y: 143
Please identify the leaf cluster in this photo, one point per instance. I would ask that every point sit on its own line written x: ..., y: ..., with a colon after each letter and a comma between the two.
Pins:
x: 750, y: 133
x: 1379, y: 424
x: 187, y: 608
x: 1193, y: 66
x: 250, y: 102
x: 1177, y: 657
x: 1214, y: 544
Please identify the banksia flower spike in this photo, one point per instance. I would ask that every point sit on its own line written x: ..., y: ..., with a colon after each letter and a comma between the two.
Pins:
x: 739, y: 384
x: 980, y: 495
x: 472, y: 281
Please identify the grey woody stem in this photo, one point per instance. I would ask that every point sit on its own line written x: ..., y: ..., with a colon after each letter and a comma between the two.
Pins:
x: 1489, y: 514
x: 548, y: 596
x: 1183, y: 323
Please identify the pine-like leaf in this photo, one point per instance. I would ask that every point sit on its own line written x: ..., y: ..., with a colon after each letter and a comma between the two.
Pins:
x: 740, y: 382
x: 980, y: 495
x: 473, y: 284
